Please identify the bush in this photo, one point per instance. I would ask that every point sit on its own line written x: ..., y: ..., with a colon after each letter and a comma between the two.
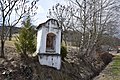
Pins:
x: 106, y: 58
x: 63, y: 52
x: 25, y: 42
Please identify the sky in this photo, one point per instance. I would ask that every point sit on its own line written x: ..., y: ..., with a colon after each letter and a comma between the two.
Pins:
x: 43, y: 9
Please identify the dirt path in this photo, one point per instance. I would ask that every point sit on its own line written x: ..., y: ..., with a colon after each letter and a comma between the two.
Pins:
x: 112, y: 71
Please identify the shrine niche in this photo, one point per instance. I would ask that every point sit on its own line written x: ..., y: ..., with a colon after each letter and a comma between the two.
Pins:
x: 49, y: 43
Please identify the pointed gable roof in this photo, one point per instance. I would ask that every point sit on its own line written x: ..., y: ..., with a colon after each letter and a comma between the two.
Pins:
x: 40, y: 25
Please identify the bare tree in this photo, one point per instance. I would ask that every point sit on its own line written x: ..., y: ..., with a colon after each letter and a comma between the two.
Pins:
x: 21, y: 8
x: 92, y: 19
x: 61, y: 13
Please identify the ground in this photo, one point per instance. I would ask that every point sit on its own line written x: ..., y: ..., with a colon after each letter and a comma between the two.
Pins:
x: 13, y: 67
x: 112, y: 71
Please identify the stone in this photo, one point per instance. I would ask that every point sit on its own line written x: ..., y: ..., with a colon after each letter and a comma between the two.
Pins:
x: 5, y: 63
x: 14, y: 63
x: 11, y: 59
x: 2, y: 61
x: 4, y: 73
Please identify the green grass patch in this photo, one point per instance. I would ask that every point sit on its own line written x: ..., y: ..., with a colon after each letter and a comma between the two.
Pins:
x: 115, y: 67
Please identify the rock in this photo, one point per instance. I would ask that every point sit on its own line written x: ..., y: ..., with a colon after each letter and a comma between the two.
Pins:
x: 11, y: 59
x: 4, y: 73
x: 14, y: 63
x: 5, y: 63
x: 2, y: 61
x: 10, y: 70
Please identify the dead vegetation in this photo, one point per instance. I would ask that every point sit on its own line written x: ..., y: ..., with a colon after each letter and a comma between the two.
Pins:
x: 13, y: 67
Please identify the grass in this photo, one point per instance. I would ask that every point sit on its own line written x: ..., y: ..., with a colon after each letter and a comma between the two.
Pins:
x: 115, y: 67
x: 10, y: 43
x: 112, y: 71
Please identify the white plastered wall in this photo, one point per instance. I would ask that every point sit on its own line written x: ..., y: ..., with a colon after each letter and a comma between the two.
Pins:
x: 49, y: 60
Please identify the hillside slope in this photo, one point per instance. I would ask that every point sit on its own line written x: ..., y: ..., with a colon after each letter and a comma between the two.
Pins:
x: 13, y: 67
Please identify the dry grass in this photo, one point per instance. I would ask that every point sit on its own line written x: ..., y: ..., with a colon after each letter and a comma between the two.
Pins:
x: 10, y: 43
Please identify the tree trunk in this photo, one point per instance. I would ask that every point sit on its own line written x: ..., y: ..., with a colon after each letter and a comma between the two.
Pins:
x: 2, y: 42
x: 2, y: 37
x: 10, y: 34
x: 2, y: 49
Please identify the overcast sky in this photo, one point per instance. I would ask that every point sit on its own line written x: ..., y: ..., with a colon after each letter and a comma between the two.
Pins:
x: 43, y: 8
x: 42, y: 11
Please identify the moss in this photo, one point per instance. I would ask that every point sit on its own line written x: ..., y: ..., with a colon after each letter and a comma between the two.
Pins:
x: 63, y: 52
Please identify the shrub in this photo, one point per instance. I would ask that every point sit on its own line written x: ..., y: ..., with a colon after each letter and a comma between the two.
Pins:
x: 106, y: 58
x: 63, y: 52
x: 25, y: 41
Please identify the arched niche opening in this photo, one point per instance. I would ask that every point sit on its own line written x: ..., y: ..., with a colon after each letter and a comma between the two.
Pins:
x: 50, y: 42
